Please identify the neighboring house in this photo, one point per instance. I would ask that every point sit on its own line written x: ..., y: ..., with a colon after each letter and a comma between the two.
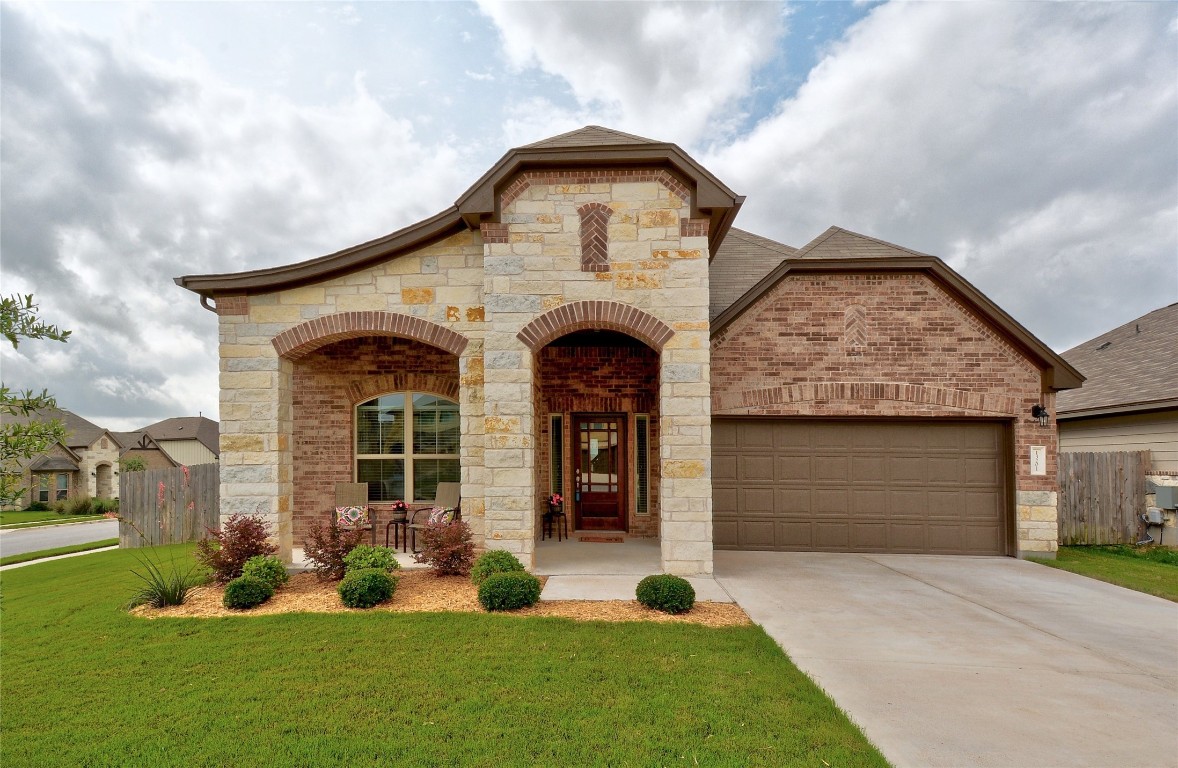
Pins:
x: 585, y: 320
x: 85, y: 463
x: 139, y: 445
x: 187, y: 440
x: 1130, y: 399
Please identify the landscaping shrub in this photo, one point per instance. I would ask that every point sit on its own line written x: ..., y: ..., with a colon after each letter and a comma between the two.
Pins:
x: 37, y: 506
x: 508, y: 591
x: 242, y: 537
x: 447, y: 548
x: 326, y: 547
x: 669, y: 594
x: 365, y: 587
x: 494, y: 561
x: 364, y: 556
x: 104, y: 506
x: 246, y: 592
x: 79, y: 505
x: 161, y: 589
x: 266, y: 568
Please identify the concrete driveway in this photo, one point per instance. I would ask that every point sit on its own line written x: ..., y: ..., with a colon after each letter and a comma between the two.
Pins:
x: 964, y: 661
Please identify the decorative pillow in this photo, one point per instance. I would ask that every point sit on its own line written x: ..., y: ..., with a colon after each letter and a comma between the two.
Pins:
x: 351, y: 517
x: 441, y: 515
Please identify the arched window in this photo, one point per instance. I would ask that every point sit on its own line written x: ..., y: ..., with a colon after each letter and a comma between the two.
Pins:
x: 406, y: 443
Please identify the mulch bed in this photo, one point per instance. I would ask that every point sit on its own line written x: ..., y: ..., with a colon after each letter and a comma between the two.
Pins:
x: 421, y: 590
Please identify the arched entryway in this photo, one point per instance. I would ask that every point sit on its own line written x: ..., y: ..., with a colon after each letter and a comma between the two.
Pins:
x: 103, y: 485
x: 597, y: 426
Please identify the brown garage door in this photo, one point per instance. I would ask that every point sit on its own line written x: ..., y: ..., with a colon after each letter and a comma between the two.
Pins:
x: 859, y: 486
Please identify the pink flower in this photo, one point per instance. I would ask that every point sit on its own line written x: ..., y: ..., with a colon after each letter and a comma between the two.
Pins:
x: 159, y: 496
x: 191, y: 505
x: 186, y: 475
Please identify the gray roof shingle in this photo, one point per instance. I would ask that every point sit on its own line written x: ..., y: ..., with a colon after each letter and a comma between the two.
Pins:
x: 740, y: 262
x: 1129, y: 368
x: 589, y: 136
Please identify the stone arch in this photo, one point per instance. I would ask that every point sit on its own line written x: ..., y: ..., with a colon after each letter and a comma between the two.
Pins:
x: 305, y: 338
x: 596, y: 315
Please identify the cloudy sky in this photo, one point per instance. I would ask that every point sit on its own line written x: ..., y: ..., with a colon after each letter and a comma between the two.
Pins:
x: 1033, y: 146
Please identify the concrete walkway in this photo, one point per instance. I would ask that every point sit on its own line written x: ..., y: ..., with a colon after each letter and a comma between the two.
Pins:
x: 959, y: 661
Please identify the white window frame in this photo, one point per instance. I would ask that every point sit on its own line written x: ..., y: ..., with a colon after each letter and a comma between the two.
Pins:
x: 409, y: 455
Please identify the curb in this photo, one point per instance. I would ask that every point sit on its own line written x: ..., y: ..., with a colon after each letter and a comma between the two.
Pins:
x: 38, y: 524
x: 57, y: 557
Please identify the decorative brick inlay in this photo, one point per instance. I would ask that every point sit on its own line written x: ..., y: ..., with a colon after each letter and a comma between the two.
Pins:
x: 694, y: 227
x: 305, y: 338
x: 867, y: 391
x: 594, y: 237
x: 596, y: 176
x: 494, y: 233
x: 596, y: 315
x: 855, y: 329
x: 233, y: 305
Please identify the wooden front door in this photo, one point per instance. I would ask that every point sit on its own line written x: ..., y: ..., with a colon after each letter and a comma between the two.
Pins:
x: 599, y: 472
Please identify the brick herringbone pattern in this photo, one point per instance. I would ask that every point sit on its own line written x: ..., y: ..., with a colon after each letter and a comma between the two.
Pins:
x: 594, y: 237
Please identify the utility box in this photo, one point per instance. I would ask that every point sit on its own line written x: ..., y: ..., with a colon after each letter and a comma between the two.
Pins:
x: 1167, y: 496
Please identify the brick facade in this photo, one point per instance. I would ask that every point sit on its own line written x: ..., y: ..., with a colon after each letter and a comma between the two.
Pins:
x: 887, y: 345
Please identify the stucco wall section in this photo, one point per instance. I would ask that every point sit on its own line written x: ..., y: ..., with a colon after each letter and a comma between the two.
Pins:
x: 888, y: 345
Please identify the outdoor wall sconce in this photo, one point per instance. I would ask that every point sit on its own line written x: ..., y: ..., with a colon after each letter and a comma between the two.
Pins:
x: 1040, y: 413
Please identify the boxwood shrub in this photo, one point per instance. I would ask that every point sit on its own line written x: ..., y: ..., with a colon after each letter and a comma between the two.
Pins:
x: 508, y: 591
x: 366, y: 587
x: 666, y: 593
x: 266, y: 568
x: 494, y: 561
x: 365, y: 556
x: 246, y: 592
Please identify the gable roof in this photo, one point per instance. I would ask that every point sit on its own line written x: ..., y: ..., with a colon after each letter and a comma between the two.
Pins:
x: 840, y: 250
x: 206, y: 431
x: 742, y: 260
x: 589, y: 147
x: 1133, y: 367
x: 80, y: 433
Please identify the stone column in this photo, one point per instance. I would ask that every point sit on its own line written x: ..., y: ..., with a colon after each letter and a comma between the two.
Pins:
x: 470, y: 408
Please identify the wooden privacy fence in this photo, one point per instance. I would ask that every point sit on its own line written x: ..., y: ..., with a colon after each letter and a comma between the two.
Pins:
x: 1101, y: 497
x: 168, y: 506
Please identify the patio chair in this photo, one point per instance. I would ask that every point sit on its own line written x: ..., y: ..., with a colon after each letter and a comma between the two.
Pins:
x: 352, y: 510
x: 448, y: 496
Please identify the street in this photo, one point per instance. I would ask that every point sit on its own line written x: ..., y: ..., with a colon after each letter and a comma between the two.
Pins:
x: 19, y: 541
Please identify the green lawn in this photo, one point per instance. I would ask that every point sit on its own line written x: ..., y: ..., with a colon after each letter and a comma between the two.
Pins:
x: 30, y: 519
x: 84, y: 683
x: 1152, y: 570
x: 54, y: 552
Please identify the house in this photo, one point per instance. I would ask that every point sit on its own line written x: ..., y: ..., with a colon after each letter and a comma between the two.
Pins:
x: 139, y: 445
x: 85, y: 463
x: 586, y: 320
x: 187, y: 440
x: 1130, y: 399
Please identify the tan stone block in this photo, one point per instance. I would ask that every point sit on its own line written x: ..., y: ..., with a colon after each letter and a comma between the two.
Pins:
x: 417, y: 295
x: 501, y: 424
x: 247, y: 380
x: 409, y: 264
x: 307, y: 294
x: 635, y: 281
x: 247, y: 350
x: 691, y: 325
x: 647, y: 264
x: 660, y: 217
x: 603, y: 276
x: 548, y: 302
x: 362, y: 303
x: 475, y: 314
x: 241, y: 443
x: 495, y: 442
x: 681, y: 253
x: 685, y: 469
x: 275, y: 314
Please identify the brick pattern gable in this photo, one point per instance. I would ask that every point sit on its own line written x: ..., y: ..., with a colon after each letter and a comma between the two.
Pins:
x: 594, y: 237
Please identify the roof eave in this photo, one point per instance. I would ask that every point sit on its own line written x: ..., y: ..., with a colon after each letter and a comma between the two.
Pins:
x: 1116, y: 410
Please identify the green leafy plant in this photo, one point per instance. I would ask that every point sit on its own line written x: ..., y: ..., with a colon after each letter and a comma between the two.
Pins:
x: 364, y: 556
x: 508, y: 591
x: 132, y: 464
x: 447, y: 548
x: 366, y: 587
x: 37, y: 506
x: 160, y: 588
x: 79, y: 505
x: 246, y: 592
x: 242, y: 537
x: 266, y: 568
x: 326, y: 547
x: 666, y: 593
x: 494, y: 561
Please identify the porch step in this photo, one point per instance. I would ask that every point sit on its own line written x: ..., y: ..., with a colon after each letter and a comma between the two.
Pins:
x: 621, y: 587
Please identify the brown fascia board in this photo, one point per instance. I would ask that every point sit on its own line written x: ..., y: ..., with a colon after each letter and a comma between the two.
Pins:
x: 1058, y: 373
x: 423, y: 233
x: 481, y: 201
x: 1117, y: 410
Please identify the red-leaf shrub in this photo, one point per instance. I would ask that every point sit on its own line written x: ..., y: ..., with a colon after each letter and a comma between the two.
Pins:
x: 242, y: 537
x: 447, y: 548
x: 326, y: 547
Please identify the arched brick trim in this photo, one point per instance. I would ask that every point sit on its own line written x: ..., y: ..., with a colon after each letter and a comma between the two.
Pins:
x: 596, y: 315
x: 368, y: 388
x: 305, y: 338
x: 860, y: 391
x: 594, y: 237
x: 520, y: 184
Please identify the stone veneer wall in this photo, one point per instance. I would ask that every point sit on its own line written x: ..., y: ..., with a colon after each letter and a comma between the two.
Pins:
x: 598, y: 380
x: 888, y: 345
x: 328, y: 384
x: 533, y: 264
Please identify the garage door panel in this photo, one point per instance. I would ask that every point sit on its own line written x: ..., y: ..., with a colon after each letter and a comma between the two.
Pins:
x: 869, y: 486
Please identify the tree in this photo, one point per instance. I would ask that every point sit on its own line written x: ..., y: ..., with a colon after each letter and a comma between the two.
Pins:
x: 23, y: 438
